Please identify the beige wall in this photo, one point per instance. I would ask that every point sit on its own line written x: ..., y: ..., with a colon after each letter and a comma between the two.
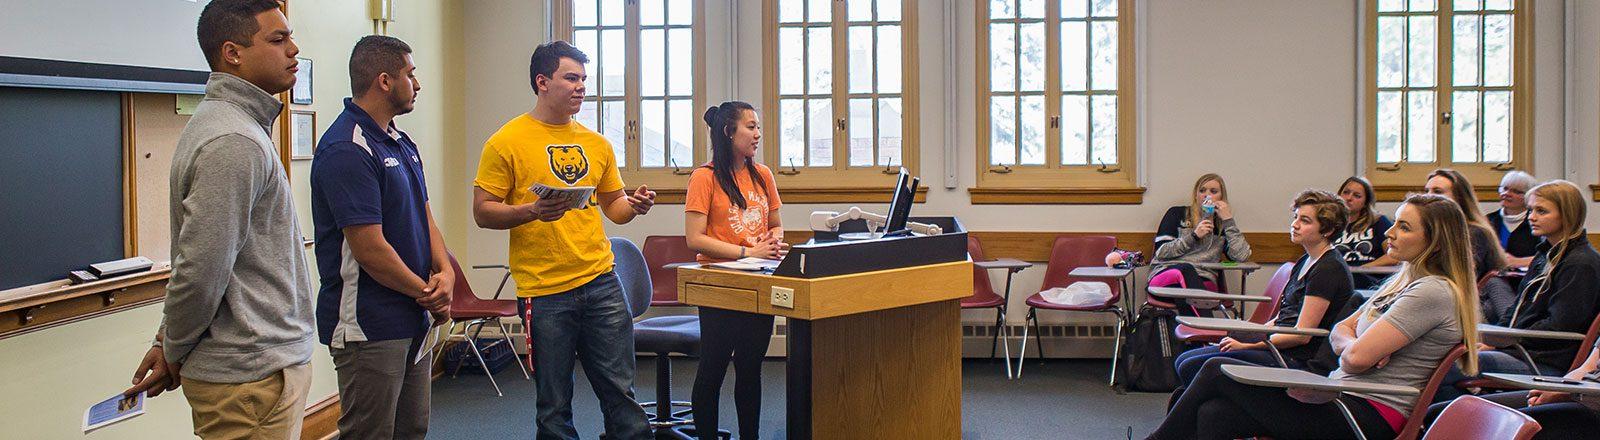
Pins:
x: 54, y: 374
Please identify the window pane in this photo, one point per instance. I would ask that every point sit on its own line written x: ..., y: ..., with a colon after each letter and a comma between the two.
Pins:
x: 680, y: 12
x: 861, y: 58
x: 1002, y: 130
x: 1104, y: 75
x: 819, y: 11
x: 680, y: 114
x: 889, y: 10
x: 1031, y: 9
x: 1074, y: 130
x: 819, y: 143
x: 1423, y: 5
x: 653, y: 63
x: 611, y: 125
x: 1105, y: 8
x: 1421, y: 50
x: 653, y: 133
x: 890, y: 121
x: 1498, y: 5
x: 1032, y: 64
x: 1033, y: 127
x: 1464, y: 127
x: 1420, y: 127
x: 585, y: 41
x: 792, y: 132
x: 651, y: 13
x: 1496, y: 127
x: 680, y: 62
x: 1074, y: 9
x: 861, y: 132
x: 1468, y: 5
x: 1391, y: 51
x: 1465, y: 61
x: 819, y: 65
x: 859, y: 10
x: 889, y: 75
x: 583, y: 13
x: 791, y: 61
x: 791, y: 11
x: 1074, y: 56
x: 1497, y: 50
x: 1391, y: 5
x: 1002, y: 57
x: 613, y: 59
x: 1002, y: 8
x: 1105, y: 130
x: 1390, y: 115
x: 588, y: 115
x: 611, y: 12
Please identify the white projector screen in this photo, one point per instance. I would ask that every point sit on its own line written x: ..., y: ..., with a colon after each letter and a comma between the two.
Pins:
x: 147, y: 34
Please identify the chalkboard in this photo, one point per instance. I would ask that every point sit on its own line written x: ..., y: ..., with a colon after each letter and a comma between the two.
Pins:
x: 61, y: 182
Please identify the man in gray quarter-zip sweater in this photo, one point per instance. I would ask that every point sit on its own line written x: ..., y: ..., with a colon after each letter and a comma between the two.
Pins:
x: 237, y: 330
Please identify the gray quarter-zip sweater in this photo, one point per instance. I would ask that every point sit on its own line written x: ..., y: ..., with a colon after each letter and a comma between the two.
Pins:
x: 238, y: 306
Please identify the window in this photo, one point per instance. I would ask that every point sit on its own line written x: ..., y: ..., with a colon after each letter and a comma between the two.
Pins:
x: 1447, y: 86
x: 839, y: 99
x: 1055, y: 113
x: 646, y: 80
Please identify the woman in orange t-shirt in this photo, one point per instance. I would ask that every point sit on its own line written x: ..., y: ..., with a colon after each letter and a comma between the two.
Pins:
x: 731, y: 212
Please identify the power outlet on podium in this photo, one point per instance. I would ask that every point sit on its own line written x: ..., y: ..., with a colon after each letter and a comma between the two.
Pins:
x: 783, y: 297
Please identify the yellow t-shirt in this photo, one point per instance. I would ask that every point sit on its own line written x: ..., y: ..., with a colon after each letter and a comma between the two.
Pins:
x: 551, y: 257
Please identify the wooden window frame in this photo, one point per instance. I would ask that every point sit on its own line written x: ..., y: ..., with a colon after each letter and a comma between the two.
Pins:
x: 670, y: 183
x: 841, y: 182
x: 1392, y: 181
x: 1053, y: 183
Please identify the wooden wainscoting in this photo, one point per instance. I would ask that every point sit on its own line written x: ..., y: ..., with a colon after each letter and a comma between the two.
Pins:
x: 322, y: 419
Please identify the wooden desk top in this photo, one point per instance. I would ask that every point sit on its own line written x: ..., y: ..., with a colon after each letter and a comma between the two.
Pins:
x: 1290, y: 378
x: 1546, y: 383
x: 825, y: 297
x: 1235, y: 325
x: 1178, y: 292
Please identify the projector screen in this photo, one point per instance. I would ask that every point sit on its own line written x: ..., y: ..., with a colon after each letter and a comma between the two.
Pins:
x: 137, y: 45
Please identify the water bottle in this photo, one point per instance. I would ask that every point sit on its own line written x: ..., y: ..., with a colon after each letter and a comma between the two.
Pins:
x: 1207, y: 209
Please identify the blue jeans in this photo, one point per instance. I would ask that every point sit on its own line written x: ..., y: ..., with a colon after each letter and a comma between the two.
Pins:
x: 1189, y: 362
x: 593, y: 323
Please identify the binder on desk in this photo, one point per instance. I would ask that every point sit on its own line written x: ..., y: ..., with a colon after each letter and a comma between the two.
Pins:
x: 827, y: 256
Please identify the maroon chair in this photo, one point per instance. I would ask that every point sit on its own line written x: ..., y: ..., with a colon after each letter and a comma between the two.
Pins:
x: 659, y: 251
x: 1419, y: 407
x: 984, y: 296
x: 1066, y: 254
x: 1471, y: 417
x: 467, y: 311
x: 1264, y: 313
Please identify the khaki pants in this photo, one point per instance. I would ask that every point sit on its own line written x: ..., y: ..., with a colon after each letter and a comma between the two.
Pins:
x: 271, y: 408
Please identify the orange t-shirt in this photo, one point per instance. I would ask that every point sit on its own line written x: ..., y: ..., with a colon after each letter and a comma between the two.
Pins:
x: 724, y: 221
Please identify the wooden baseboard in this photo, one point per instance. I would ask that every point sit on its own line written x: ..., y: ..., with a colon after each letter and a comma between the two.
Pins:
x: 322, y: 419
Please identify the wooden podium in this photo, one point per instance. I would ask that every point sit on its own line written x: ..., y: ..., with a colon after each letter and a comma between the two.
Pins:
x: 871, y: 355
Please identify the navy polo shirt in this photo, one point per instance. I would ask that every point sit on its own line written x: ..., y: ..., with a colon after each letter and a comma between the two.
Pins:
x: 366, y: 174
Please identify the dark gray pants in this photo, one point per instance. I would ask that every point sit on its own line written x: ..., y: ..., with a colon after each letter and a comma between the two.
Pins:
x: 383, y: 394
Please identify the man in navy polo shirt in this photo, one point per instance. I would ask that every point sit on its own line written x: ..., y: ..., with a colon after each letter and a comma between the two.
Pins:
x: 386, y: 276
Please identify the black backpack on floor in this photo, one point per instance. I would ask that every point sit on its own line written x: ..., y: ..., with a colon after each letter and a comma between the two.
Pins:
x: 1147, y: 358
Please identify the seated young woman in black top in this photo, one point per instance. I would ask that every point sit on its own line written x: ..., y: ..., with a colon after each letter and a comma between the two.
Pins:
x: 1361, y: 242
x: 1316, y: 297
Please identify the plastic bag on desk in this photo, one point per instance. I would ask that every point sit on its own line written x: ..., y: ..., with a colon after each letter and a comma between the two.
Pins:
x: 1082, y: 293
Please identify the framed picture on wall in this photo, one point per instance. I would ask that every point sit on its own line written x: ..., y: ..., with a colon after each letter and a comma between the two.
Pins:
x: 301, y: 94
x: 303, y: 133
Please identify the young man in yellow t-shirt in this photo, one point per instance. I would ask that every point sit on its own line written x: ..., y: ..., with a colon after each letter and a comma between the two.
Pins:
x: 560, y: 257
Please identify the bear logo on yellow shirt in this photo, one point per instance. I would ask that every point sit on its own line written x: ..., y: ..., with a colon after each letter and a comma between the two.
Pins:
x: 568, y: 163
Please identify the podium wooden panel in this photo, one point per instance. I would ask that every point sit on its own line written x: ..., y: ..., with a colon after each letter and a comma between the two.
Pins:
x: 870, y: 355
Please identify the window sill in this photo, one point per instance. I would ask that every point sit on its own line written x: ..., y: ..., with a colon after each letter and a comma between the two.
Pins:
x: 1056, y: 196
x: 1397, y: 193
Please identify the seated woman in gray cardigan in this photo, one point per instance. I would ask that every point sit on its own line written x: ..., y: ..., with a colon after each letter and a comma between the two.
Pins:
x: 1203, y: 232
